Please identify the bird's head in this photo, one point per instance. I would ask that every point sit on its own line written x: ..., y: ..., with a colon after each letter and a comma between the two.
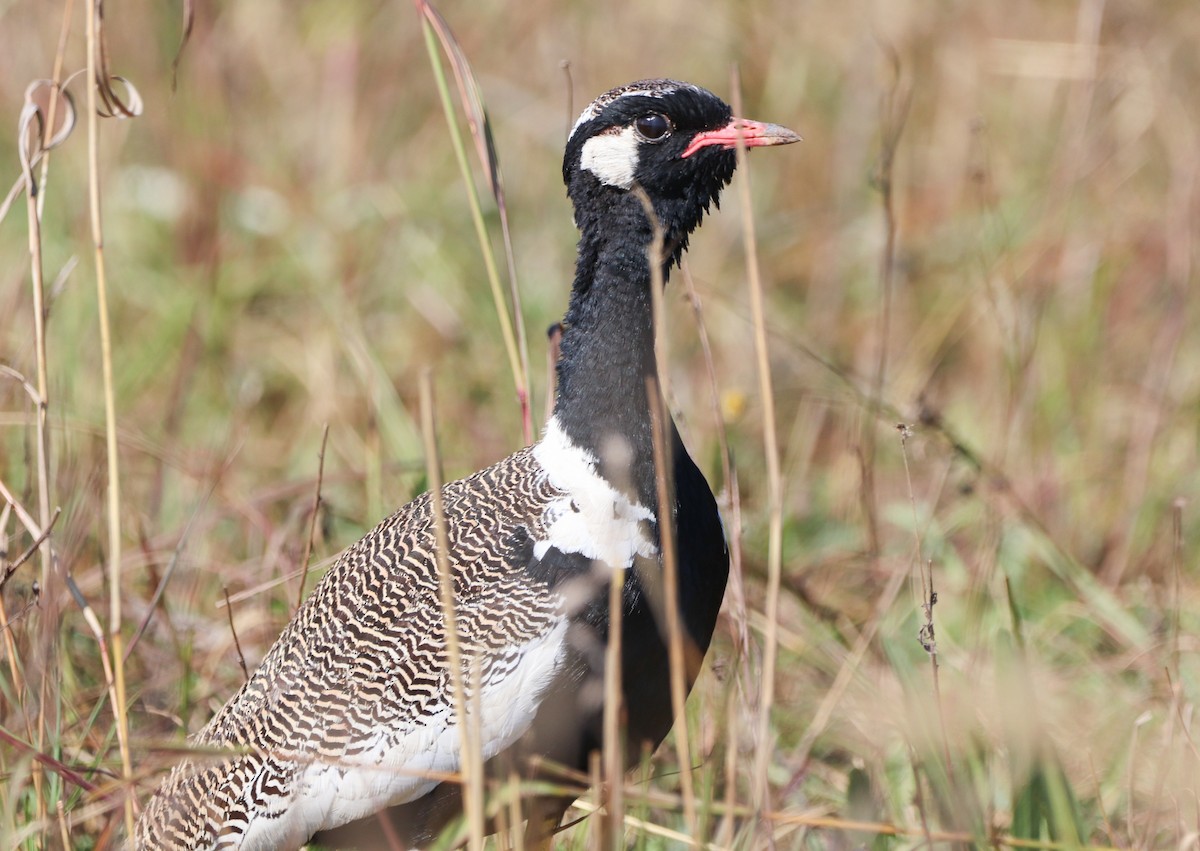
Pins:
x: 674, y: 140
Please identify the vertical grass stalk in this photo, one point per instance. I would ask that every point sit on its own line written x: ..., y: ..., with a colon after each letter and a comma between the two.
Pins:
x: 774, y: 479
x: 312, y: 520
x: 678, y: 660
x: 517, y: 364
x: 614, y: 745
x: 471, y: 767
x: 110, y: 414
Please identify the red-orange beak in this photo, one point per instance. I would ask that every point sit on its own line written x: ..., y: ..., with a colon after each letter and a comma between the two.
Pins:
x: 755, y: 133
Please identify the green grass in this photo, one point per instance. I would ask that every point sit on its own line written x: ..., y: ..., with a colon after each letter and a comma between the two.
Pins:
x: 288, y: 243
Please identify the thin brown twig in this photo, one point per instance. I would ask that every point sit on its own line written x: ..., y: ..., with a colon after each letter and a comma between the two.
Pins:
x: 6, y: 622
x: 927, y: 635
x: 312, y: 520
x: 176, y: 557
x: 233, y: 631
x: 13, y: 566
x: 919, y: 799
x: 57, y: 766
x: 10, y: 648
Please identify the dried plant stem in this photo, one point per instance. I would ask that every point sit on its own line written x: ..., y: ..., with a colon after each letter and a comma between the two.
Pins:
x: 732, y: 735
x: 737, y: 589
x: 469, y: 746
x: 61, y: 769
x: 614, y: 741
x: 39, y: 341
x: 894, y: 113
x: 1176, y: 572
x: 927, y: 635
x: 849, y: 667
x: 233, y: 631
x: 110, y: 413
x: 13, y: 566
x: 312, y: 520
x: 50, y: 621
x: 774, y: 479
x: 515, y: 835
x: 56, y: 96
x: 682, y: 668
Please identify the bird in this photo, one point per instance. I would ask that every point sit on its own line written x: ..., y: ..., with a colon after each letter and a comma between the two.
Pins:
x: 350, y: 712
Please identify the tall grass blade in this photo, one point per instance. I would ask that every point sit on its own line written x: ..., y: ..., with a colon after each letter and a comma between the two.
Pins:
x: 517, y: 346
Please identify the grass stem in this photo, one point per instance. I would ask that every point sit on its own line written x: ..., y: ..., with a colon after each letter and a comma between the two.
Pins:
x: 120, y: 710
x: 471, y: 763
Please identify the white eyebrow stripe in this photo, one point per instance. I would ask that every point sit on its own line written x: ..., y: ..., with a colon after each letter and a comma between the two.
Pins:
x: 649, y: 88
x: 598, y: 105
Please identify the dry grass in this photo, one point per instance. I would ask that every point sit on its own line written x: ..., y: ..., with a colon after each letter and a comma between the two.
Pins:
x: 287, y: 243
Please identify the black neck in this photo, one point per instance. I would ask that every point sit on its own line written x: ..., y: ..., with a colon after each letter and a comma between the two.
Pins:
x: 608, y: 352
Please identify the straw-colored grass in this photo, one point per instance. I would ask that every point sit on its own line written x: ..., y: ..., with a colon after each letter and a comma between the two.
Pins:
x: 974, y: 299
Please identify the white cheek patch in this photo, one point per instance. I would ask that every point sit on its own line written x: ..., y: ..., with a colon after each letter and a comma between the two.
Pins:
x: 612, y: 157
x: 592, y: 518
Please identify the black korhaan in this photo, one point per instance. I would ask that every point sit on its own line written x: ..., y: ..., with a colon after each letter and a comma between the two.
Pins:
x: 350, y: 712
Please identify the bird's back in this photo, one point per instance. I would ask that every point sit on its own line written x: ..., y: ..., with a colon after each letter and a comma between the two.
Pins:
x: 350, y: 710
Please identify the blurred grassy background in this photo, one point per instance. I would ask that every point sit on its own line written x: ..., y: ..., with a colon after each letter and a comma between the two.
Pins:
x: 288, y: 245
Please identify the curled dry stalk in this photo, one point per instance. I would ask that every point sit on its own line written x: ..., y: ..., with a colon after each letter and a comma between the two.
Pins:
x: 35, y: 138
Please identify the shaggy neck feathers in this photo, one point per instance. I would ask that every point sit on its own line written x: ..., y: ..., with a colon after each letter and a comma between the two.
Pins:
x: 608, y: 353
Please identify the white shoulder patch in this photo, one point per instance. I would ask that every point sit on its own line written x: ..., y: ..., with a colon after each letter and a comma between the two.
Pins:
x: 612, y: 156
x: 592, y: 518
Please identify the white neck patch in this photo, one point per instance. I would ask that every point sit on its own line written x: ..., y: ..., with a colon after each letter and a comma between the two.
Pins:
x: 591, y: 517
x: 612, y: 156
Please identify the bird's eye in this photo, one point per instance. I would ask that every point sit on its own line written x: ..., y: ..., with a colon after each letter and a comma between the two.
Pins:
x: 653, y: 127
